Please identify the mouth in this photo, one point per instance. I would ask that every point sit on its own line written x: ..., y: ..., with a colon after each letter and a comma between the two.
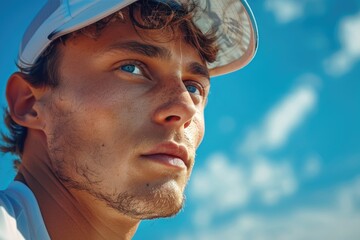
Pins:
x: 169, y: 154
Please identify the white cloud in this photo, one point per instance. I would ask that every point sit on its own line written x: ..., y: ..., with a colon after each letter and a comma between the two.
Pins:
x: 224, y: 186
x: 221, y: 181
x: 272, y: 181
x: 343, y: 60
x: 338, y: 217
x: 348, y: 196
x: 232, y: 185
x: 281, y: 121
x: 310, y: 224
x: 288, y: 115
x: 285, y: 10
x: 253, y: 176
x: 312, y: 166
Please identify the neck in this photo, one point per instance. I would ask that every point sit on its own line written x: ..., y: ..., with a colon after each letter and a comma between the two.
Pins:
x: 68, y: 213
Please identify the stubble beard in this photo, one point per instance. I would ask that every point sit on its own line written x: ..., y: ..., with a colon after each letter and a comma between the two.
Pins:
x: 149, y: 203
x: 156, y: 203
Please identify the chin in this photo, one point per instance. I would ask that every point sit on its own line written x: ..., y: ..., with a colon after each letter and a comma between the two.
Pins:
x: 160, y: 201
x: 161, y: 212
x: 159, y: 204
x: 149, y: 208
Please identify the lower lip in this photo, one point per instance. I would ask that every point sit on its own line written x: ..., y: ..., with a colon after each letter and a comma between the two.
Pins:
x: 166, y: 160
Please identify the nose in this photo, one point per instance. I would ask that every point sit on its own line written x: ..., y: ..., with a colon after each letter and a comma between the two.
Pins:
x: 177, y: 110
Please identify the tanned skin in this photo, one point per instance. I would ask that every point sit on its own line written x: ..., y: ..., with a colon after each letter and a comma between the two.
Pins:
x: 115, y: 141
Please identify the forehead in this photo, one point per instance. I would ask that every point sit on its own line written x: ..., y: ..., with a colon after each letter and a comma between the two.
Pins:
x: 155, y: 25
x: 123, y: 36
x: 120, y: 40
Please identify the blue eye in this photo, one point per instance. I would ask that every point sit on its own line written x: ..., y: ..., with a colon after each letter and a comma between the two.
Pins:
x: 131, y: 68
x: 193, y: 89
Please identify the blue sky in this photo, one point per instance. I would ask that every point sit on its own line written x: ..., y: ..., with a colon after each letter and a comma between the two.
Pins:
x: 281, y: 155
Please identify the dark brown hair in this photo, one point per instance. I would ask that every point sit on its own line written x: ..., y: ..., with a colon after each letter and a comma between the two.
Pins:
x: 170, y: 16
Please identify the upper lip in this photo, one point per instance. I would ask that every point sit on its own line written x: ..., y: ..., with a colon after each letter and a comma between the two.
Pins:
x: 172, y: 149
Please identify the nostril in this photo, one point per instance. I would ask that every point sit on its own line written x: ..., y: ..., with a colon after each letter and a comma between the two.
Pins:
x: 172, y: 118
x: 187, y: 124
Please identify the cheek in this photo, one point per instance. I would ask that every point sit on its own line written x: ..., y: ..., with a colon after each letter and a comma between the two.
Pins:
x: 196, y: 130
x: 88, y: 126
x: 83, y: 140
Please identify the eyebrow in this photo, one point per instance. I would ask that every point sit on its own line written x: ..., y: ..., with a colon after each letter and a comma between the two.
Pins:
x: 198, y: 69
x: 156, y: 52
x: 141, y: 48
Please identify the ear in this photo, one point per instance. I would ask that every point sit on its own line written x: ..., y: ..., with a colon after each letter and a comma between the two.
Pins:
x: 21, y: 98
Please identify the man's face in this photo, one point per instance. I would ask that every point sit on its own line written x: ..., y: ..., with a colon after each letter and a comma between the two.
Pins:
x: 126, y: 119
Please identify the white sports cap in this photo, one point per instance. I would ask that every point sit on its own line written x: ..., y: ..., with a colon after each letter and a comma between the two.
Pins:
x: 233, y: 20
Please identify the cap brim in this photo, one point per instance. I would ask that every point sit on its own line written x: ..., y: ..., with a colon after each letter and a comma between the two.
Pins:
x: 233, y: 20
x: 236, y: 31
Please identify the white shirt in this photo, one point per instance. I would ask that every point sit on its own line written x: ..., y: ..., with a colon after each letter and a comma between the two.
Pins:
x: 20, y: 216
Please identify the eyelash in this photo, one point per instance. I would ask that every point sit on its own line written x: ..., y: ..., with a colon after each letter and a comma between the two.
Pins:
x: 140, y: 65
x: 197, y: 85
